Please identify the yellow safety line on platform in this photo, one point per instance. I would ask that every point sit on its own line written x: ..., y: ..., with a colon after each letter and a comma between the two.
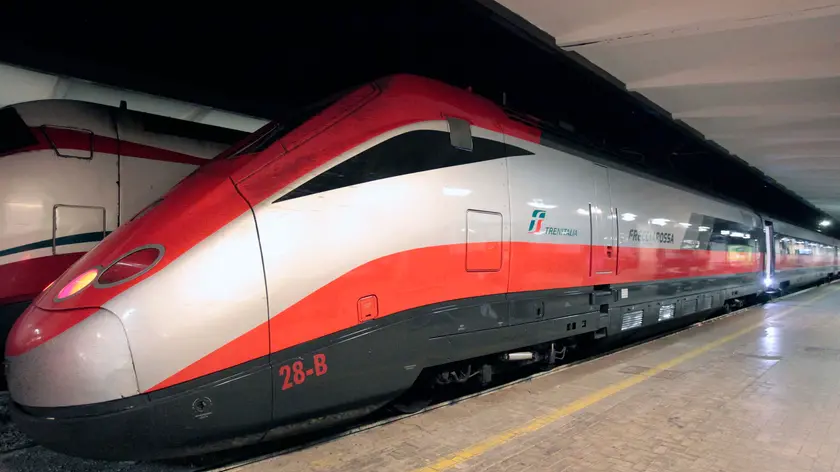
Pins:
x: 537, y: 423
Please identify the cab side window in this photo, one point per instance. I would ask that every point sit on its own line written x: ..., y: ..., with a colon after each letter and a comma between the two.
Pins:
x: 407, y: 153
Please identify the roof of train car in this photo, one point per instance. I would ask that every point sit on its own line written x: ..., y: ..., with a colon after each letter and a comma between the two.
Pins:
x: 150, y: 122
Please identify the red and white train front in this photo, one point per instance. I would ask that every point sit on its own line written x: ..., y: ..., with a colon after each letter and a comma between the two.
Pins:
x: 158, y: 294
x: 70, y: 173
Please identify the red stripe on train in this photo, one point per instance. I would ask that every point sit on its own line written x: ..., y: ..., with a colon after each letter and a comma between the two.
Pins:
x: 437, y: 274
x: 70, y: 139
x: 797, y: 261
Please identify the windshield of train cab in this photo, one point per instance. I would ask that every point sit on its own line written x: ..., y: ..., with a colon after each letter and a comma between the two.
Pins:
x: 261, y: 139
x: 14, y: 134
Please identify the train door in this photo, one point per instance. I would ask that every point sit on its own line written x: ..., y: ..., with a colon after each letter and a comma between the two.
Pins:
x: 769, y: 254
x: 80, y: 185
x: 603, y: 244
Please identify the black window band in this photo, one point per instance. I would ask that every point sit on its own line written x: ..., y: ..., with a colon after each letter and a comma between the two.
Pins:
x: 407, y: 153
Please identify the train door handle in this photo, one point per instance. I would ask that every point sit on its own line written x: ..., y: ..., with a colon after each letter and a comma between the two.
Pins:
x: 609, y: 251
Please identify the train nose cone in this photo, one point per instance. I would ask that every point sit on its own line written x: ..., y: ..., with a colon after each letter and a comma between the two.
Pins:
x: 89, y: 362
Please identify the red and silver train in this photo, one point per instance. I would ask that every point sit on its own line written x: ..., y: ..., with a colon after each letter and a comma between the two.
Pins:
x: 314, y: 271
x: 71, y: 172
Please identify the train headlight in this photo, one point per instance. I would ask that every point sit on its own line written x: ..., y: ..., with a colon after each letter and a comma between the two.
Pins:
x: 79, y: 283
x: 130, y: 266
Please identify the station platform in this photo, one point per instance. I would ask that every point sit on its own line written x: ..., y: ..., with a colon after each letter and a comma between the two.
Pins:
x: 758, y: 390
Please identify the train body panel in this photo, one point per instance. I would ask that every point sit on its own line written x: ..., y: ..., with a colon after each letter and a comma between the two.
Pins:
x: 205, y: 298
x: 372, y: 237
x: 549, y: 193
x: 799, y: 256
x: 145, y: 180
x: 71, y: 172
x: 317, y: 271
x: 29, y: 204
x: 90, y: 361
x: 663, y: 232
x: 77, y: 154
x: 666, y: 233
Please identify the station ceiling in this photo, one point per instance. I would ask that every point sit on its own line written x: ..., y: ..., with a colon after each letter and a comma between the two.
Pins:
x: 761, y: 78
x: 240, y: 64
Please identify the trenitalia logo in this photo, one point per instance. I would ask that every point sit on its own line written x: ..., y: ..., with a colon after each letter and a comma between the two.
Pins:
x: 537, y: 220
x: 536, y: 227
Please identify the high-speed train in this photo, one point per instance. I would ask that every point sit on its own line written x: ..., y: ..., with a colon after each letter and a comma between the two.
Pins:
x: 71, y: 172
x: 405, y: 230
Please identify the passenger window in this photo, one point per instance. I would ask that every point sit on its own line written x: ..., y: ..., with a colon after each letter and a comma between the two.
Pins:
x: 787, y: 245
x: 407, y: 153
x: 732, y: 236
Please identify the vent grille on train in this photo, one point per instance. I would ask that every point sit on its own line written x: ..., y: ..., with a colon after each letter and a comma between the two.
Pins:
x: 666, y: 312
x: 632, y: 320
